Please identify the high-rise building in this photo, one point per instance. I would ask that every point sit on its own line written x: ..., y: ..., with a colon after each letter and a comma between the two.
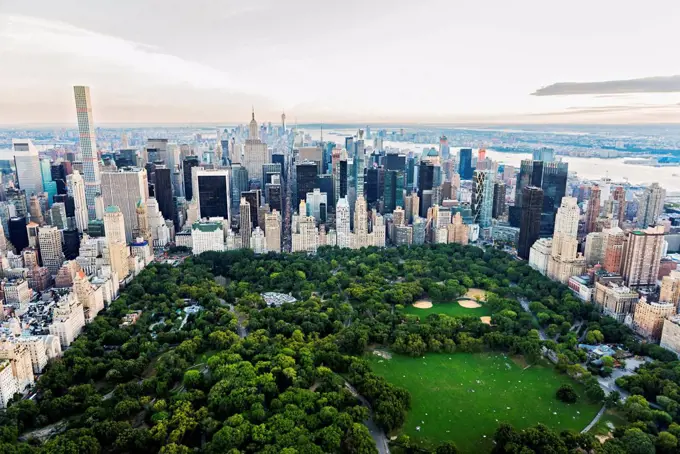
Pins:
x: 649, y: 317
x: 156, y: 150
x: 124, y: 188
x: 482, y: 197
x: 207, y: 236
x: 393, y: 196
x: 593, y: 211
x: 499, y: 190
x: 565, y: 261
x: 619, y: 196
x: 18, y: 235
x: 340, y: 175
x: 554, y: 185
x: 76, y: 189
x: 58, y: 173
x: 642, y: 257
x: 306, y: 173
x: 317, y: 205
x: 245, y: 223
x: 272, y: 222
x: 457, y: 231
x: 88, y: 147
x: 426, y: 177
x: 465, y: 163
x: 213, y: 193
x: 188, y: 163
x: 273, y: 193
x: 49, y: 186
x: 651, y: 205
x: 35, y: 210
x: 255, y: 153
x: 254, y: 199
x: 532, y: 204
x: 342, y: 223
x: 116, y: 234
x: 544, y: 154
x: 27, y: 164
x: 164, y: 194
x: 49, y: 239
x: 595, y: 248
x: 58, y: 216
x: 613, y: 250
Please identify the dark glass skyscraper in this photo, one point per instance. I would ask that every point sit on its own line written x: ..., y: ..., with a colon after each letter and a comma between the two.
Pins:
x: 395, y: 162
x: 554, y: 187
x: 71, y: 244
x: 239, y: 184
x: 213, y: 197
x: 465, y: 164
x: 498, y: 199
x: 187, y: 164
x: 342, y: 175
x: 306, y: 179
x: 280, y: 159
x: 394, y: 190
x: 163, y: 192
x: 58, y: 173
x: 254, y: 199
x: 17, y: 233
x: 530, y: 224
x: 425, y: 183
x: 374, y: 184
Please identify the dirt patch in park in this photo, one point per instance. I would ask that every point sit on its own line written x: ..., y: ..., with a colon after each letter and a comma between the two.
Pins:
x: 468, y: 304
x: 423, y: 304
x: 603, y: 438
x: 486, y: 320
x: 382, y: 354
x: 475, y: 293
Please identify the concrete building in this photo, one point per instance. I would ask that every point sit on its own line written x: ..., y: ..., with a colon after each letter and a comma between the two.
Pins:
x: 649, y: 318
x: 615, y: 300
x: 670, y: 334
x: 670, y: 288
x: 76, y: 189
x: 457, y: 231
x: 565, y: 261
x: 595, y: 248
x: 212, y: 192
x: 342, y: 222
x: 125, y: 188
x: 257, y: 241
x: 88, y: 147
x: 8, y: 384
x: 68, y: 319
x: 49, y: 239
x: 317, y: 205
x: 650, y: 205
x: 642, y: 254
x: 613, y: 250
x: 272, y: 223
x: 116, y: 234
x: 255, y: 152
x: 91, y: 297
x: 207, y: 236
x: 539, y: 255
x: 27, y: 164
x: 17, y: 292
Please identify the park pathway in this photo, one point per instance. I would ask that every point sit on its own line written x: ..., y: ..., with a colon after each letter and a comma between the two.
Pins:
x: 377, y: 433
x: 240, y: 328
x: 595, y: 419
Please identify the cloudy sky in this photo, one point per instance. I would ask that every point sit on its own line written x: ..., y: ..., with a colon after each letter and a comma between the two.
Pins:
x: 444, y: 61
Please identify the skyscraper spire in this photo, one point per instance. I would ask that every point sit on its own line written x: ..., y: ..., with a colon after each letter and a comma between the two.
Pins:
x: 253, y: 107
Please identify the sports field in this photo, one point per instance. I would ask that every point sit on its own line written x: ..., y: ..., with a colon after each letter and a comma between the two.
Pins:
x: 463, y: 397
x: 453, y: 309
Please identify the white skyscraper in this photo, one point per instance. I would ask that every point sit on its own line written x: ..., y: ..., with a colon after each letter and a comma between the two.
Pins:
x: 272, y: 225
x: 115, y: 229
x: 124, y: 188
x: 565, y: 261
x: 49, y: 239
x: 342, y: 223
x: 76, y: 189
x: 257, y: 241
x: 27, y: 164
x: 255, y: 153
x: 88, y: 147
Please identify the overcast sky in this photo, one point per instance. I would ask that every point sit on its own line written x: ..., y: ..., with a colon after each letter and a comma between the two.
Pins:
x: 351, y: 60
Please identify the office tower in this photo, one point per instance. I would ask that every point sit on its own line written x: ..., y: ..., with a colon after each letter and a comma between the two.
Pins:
x: 124, y: 188
x: 49, y: 186
x: 27, y: 164
x: 18, y: 235
x: 457, y: 231
x: 76, y: 189
x: 595, y: 248
x: 593, y: 211
x: 554, y: 185
x: 279, y: 158
x: 619, y: 196
x: 394, y: 161
x: 358, y: 167
x: 245, y: 225
x: 58, y: 175
x: 613, y: 250
x: 498, y: 209
x: 239, y: 184
x: 532, y: 204
x: 544, y: 154
x: 393, y: 195
x: 374, y: 185
x: 425, y: 183
x: 465, y: 163
x: 273, y: 194
x: 35, y: 210
x: 340, y: 177
x: 156, y: 150
x: 269, y: 170
x: 311, y: 154
x: 164, y: 195
x: 71, y: 244
x: 342, y: 223
x: 187, y: 164
x: 258, y: 242
x: 325, y: 184
x: 254, y: 198
x: 49, y: 239
x: 255, y: 153
x: 7, y: 211
x: 482, y: 197
x: 116, y: 239
x: 565, y: 261
x: 642, y: 253
x: 212, y: 191
x: 444, y: 149
x: 88, y: 147
x: 143, y: 226
x: 360, y: 234
x: 32, y: 232
x: 306, y: 179
x: 58, y: 216
x: 19, y: 199
x: 317, y: 203
x: 651, y: 205
x: 272, y: 223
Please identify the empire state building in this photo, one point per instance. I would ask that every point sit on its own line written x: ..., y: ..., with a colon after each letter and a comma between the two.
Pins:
x: 255, y: 153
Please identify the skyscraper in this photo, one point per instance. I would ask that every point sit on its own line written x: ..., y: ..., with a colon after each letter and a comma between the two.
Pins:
x: 76, y: 190
x: 213, y: 192
x: 425, y: 183
x: 544, y: 154
x: 393, y: 196
x: 116, y: 234
x: 465, y: 163
x: 163, y: 193
x: 651, y: 205
x: 272, y: 222
x: 532, y: 204
x: 498, y: 199
x: 27, y: 163
x: 593, y: 211
x: 123, y: 189
x: 482, y: 197
x: 306, y: 173
x: 255, y: 153
x: 88, y: 147
x: 188, y: 163
x: 245, y: 225
x: 18, y: 235
x: 554, y: 185
x: 49, y: 239
x: 619, y: 196
x: 642, y: 257
x: 564, y: 259
x: 342, y: 223
x: 273, y: 194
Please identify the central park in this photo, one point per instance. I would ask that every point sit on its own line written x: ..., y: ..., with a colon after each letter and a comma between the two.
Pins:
x: 426, y: 349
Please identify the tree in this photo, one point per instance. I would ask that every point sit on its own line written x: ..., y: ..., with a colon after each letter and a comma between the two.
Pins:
x: 666, y: 443
x: 566, y: 393
x: 358, y: 440
x: 638, y: 442
x: 447, y: 448
x: 594, y: 337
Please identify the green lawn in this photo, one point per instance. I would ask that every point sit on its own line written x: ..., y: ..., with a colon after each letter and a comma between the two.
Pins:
x: 609, y: 418
x: 452, y: 309
x: 463, y: 397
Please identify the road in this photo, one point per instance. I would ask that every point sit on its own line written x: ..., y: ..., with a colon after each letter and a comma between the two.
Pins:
x: 381, y: 442
x: 241, y: 330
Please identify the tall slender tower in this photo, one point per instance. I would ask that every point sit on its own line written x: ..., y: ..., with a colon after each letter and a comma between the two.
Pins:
x: 88, y: 147
x: 76, y: 189
x: 593, y: 211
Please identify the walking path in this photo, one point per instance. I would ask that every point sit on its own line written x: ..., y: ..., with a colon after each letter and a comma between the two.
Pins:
x: 377, y: 433
x: 595, y: 419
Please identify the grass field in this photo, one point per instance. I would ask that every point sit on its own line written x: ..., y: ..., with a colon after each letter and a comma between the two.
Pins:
x: 463, y: 397
x: 453, y: 309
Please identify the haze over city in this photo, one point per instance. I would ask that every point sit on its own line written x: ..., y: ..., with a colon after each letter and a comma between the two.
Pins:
x: 437, y: 61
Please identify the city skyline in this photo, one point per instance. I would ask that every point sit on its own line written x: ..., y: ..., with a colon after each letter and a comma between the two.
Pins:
x: 150, y: 62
